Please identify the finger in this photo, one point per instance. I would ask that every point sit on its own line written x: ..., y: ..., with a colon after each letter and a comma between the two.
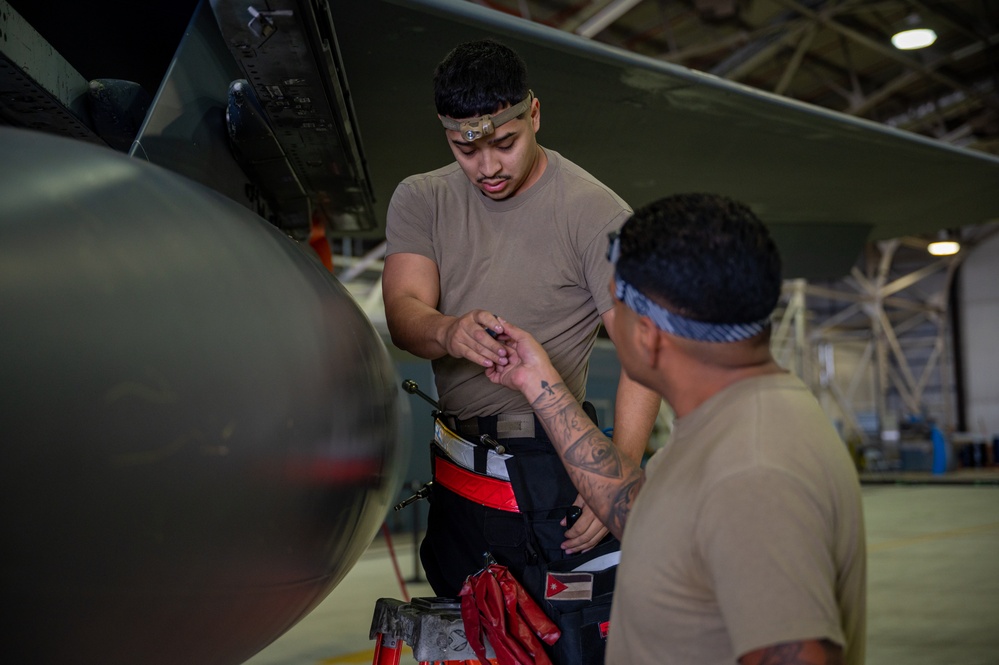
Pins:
x: 484, y: 360
x: 488, y: 321
x: 585, y: 533
x: 493, y: 325
x: 587, y: 541
x: 582, y: 525
x: 473, y: 343
x: 509, y: 329
x: 488, y: 343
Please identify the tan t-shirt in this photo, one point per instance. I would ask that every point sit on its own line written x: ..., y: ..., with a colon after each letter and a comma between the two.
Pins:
x: 537, y: 259
x: 748, y: 532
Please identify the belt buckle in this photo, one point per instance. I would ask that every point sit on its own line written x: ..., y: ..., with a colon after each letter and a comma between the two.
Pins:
x: 516, y: 426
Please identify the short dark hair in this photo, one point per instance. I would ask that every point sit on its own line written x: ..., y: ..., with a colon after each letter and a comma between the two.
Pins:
x: 703, y: 256
x: 479, y: 77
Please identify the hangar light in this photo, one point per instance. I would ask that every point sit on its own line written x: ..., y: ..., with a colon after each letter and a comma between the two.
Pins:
x: 943, y: 248
x: 912, y: 34
x: 908, y: 40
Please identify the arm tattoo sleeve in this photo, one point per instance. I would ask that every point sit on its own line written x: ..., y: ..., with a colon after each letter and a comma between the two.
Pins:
x: 796, y: 653
x: 594, y: 463
x: 621, y: 506
x: 594, y: 452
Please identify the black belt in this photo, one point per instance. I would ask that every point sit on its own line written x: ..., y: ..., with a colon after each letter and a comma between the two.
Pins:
x: 502, y: 426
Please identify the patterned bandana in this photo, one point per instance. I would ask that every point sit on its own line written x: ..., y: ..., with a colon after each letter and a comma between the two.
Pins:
x: 676, y: 324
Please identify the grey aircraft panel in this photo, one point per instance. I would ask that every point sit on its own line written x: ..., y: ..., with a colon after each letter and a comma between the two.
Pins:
x: 824, y: 182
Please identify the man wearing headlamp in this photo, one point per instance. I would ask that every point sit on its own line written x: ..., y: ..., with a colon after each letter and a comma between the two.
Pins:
x: 743, y: 538
x: 511, y: 229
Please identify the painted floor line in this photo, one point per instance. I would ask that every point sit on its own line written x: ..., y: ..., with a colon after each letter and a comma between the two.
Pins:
x: 930, y: 537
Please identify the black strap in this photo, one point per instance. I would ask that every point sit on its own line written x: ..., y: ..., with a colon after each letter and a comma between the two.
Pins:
x: 481, y: 456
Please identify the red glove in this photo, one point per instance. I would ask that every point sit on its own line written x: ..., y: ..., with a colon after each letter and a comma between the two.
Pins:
x: 536, y: 619
x: 470, y: 618
x: 495, y: 606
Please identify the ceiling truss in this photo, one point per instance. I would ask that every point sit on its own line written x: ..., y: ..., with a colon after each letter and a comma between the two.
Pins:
x: 831, y: 53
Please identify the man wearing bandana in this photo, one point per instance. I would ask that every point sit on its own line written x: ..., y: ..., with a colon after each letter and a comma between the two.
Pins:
x: 516, y: 230
x: 743, y: 538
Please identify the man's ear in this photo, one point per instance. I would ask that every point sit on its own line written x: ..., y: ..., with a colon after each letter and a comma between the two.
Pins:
x: 648, y: 341
x: 535, y: 112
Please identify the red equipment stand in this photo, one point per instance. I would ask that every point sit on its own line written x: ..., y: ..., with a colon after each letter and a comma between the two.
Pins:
x: 432, y: 627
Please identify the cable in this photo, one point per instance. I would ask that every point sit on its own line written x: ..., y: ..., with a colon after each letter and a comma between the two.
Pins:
x: 395, y: 563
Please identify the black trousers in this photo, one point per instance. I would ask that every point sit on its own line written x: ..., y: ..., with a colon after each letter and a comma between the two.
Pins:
x: 460, y: 532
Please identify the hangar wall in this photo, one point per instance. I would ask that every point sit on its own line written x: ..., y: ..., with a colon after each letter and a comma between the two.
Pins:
x: 979, y: 301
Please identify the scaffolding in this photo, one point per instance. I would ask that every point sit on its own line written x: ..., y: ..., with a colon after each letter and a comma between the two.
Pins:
x: 876, y: 347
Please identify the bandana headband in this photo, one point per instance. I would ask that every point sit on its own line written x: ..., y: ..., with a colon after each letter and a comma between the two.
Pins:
x: 671, y: 322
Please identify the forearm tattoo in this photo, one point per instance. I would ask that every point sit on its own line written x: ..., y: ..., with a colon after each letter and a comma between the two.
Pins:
x: 594, y: 463
x: 794, y: 653
x: 595, y: 452
x: 620, y: 504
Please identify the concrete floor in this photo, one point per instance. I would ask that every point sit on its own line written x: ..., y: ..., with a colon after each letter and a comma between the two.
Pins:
x: 933, y: 584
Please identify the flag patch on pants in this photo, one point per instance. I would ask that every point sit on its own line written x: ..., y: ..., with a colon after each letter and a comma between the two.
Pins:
x: 569, y: 586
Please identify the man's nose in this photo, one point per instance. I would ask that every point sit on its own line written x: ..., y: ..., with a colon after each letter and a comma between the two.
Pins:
x: 488, y: 164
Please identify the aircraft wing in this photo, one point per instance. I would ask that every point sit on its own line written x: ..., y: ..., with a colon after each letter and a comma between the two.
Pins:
x: 824, y: 182
x: 342, y: 110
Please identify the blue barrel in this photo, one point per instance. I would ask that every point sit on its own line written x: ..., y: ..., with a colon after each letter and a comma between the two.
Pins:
x: 939, y: 451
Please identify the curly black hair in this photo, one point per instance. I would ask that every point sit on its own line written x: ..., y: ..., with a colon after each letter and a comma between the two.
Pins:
x: 479, y: 77
x: 704, y: 256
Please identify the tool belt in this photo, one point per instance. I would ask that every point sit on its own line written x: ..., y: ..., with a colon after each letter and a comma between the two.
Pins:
x: 502, y: 426
x: 472, y: 471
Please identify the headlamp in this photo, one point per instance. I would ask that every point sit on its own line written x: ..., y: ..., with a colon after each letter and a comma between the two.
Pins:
x: 473, y: 129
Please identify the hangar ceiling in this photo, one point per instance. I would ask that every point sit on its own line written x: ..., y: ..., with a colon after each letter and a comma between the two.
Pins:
x: 831, y: 53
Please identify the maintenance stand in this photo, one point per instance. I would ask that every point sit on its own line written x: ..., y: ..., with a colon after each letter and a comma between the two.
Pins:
x: 432, y: 627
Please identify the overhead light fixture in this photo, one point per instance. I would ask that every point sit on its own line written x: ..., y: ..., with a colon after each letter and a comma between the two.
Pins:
x: 912, y: 34
x: 944, y: 245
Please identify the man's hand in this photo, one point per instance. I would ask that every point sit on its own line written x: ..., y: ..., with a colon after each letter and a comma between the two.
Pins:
x: 527, y: 368
x: 586, y: 533
x: 411, y: 293
x: 467, y: 337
